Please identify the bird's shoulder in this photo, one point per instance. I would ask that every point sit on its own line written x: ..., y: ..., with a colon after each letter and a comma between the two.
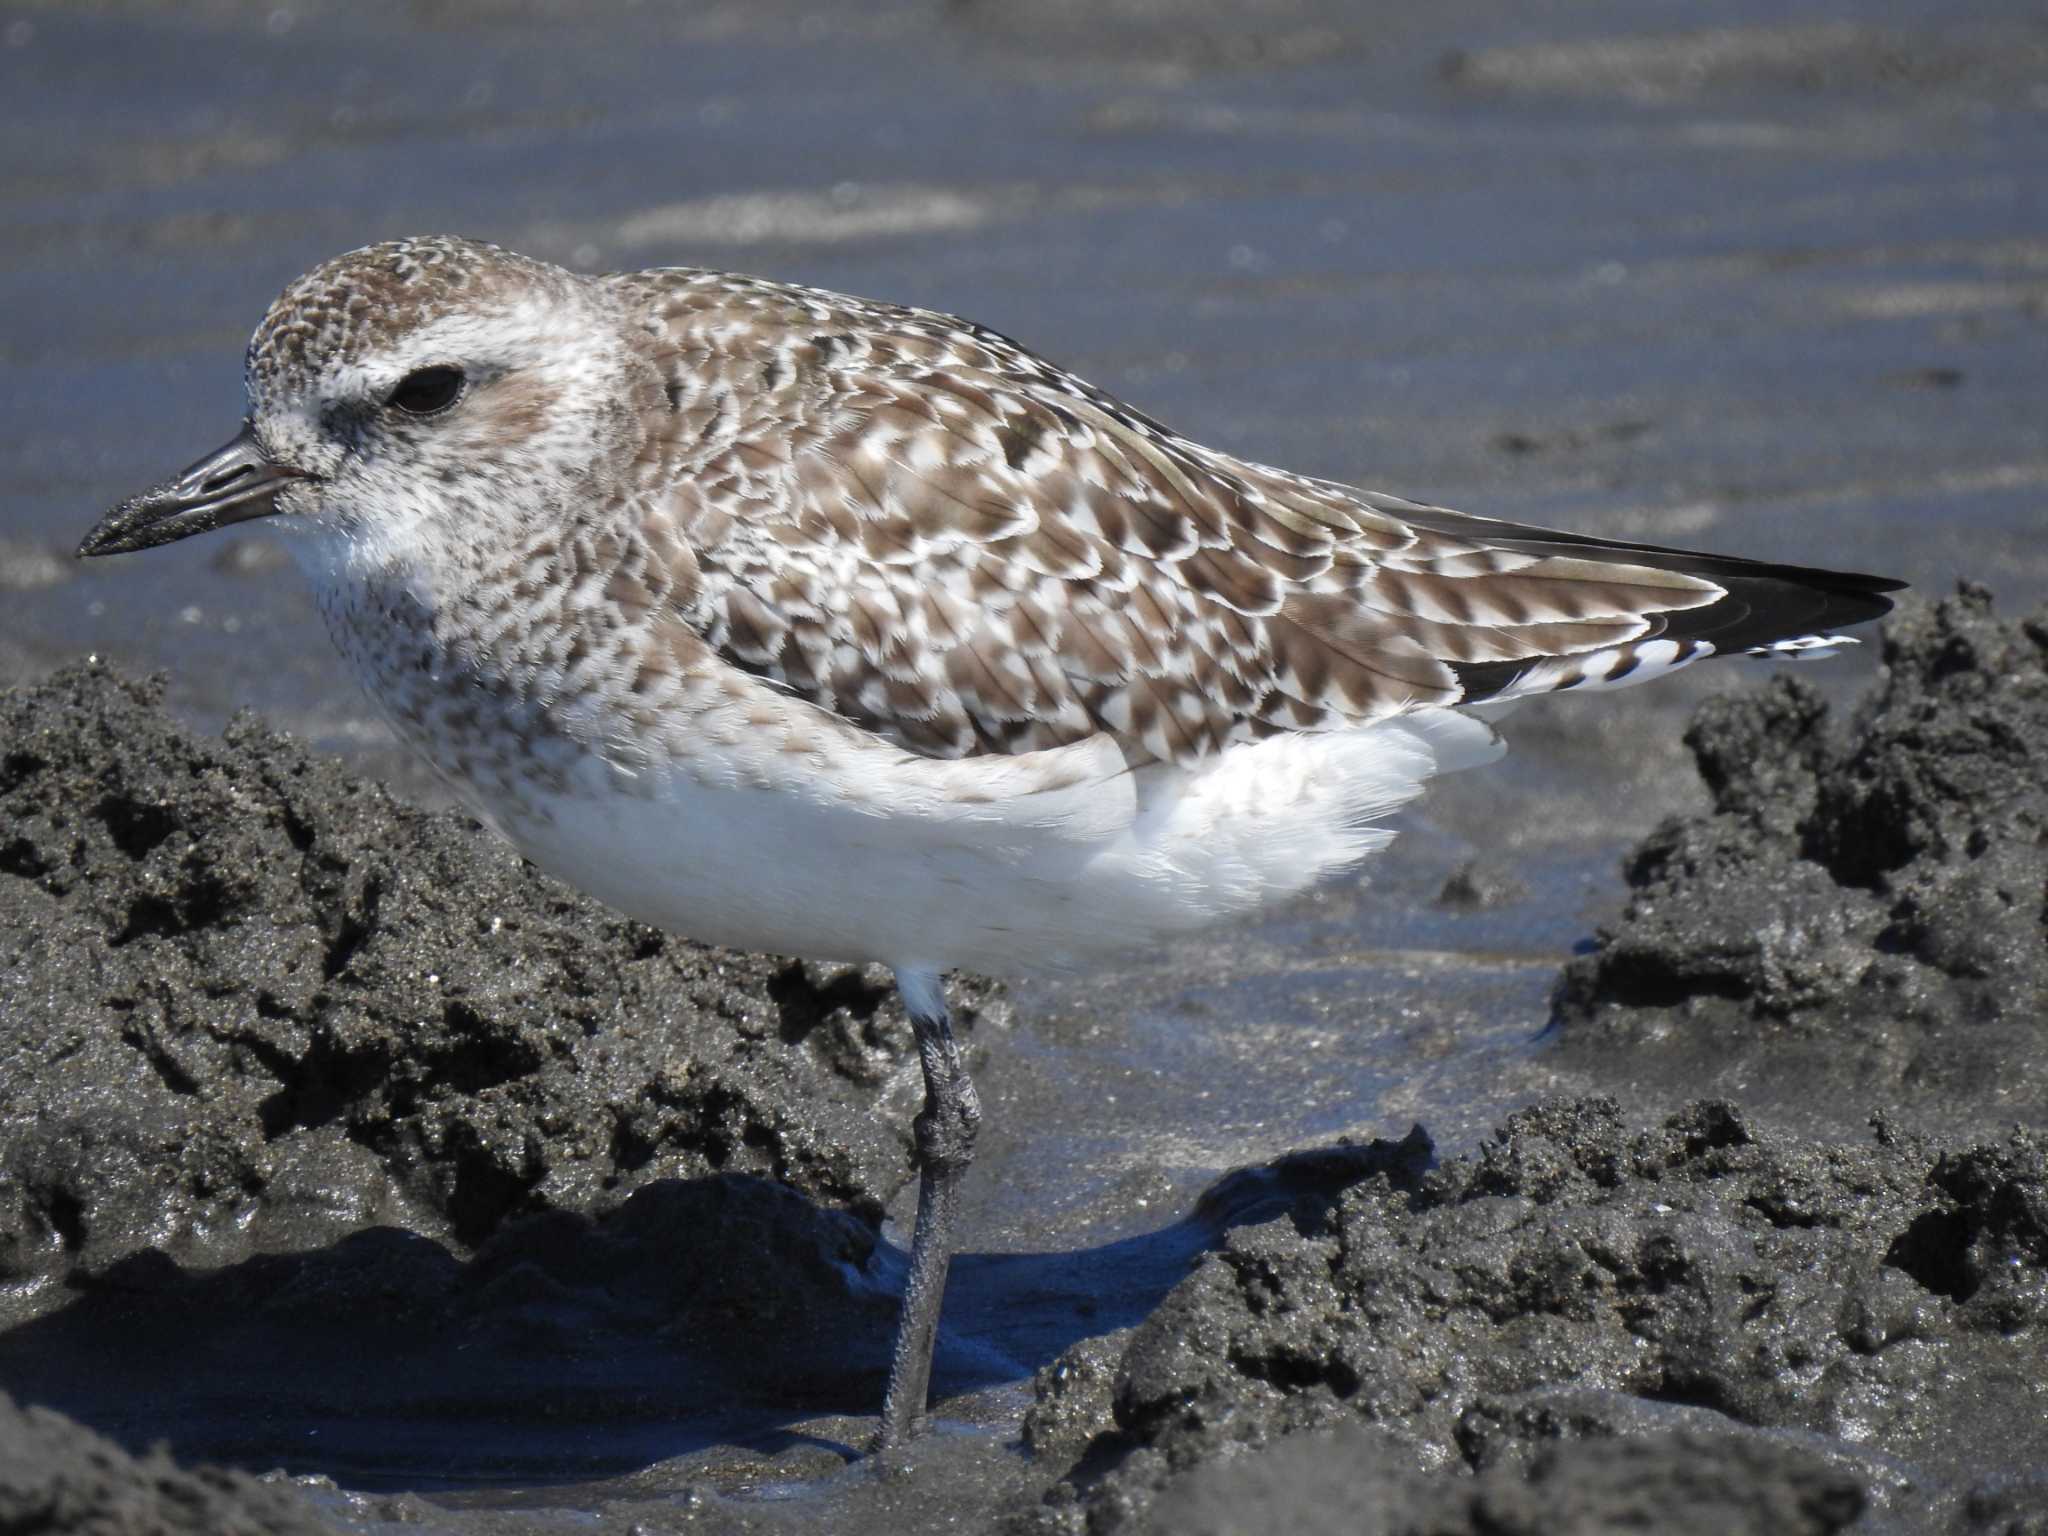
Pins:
x: 793, y: 370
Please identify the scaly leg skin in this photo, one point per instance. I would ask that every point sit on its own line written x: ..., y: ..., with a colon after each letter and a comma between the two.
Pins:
x: 945, y: 1147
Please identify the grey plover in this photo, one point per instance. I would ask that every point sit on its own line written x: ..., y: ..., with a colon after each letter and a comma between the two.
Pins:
x: 796, y: 622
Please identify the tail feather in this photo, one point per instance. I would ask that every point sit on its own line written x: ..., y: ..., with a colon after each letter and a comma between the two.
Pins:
x: 1766, y: 609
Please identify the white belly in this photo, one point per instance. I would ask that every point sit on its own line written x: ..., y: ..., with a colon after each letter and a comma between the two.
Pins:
x: 1049, y: 861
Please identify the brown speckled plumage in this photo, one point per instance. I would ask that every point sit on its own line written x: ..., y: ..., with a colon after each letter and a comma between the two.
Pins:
x: 934, y: 535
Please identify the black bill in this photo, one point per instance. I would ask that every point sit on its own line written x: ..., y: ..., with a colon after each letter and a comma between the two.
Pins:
x: 230, y: 485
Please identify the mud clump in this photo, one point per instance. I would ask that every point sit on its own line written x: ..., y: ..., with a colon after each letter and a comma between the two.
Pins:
x: 1865, y: 907
x: 1578, y: 1310
x: 58, y: 1476
x: 249, y: 1003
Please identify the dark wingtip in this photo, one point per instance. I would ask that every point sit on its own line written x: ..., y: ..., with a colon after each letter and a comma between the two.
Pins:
x: 1835, y: 581
x: 1850, y: 596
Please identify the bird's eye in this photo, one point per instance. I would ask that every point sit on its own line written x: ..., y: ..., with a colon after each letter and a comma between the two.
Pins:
x: 426, y: 391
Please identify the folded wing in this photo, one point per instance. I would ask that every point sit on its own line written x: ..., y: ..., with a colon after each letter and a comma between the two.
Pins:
x: 926, y: 529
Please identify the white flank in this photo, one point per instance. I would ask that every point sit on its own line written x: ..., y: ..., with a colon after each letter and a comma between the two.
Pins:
x: 1051, y: 860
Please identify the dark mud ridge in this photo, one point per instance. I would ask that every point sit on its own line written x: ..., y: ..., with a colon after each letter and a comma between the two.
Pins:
x: 281, y: 1056
x: 309, y: 1098
x: 1697, y: 1327
x: 249, y: 1003
x: 1863, y: 915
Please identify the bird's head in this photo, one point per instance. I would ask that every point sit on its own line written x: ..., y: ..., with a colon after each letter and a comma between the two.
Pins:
x: 402, y: 390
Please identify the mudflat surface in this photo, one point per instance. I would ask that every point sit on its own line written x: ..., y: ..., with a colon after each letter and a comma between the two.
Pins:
x: 334, y: 1143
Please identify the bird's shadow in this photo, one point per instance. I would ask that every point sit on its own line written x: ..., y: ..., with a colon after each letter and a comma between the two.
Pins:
x: 704, y: 1312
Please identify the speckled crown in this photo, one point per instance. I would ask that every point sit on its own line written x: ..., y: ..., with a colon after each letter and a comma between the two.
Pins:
x: 359, y: 301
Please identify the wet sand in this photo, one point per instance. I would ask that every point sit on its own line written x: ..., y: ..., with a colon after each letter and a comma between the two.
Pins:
x: 335, y: 1141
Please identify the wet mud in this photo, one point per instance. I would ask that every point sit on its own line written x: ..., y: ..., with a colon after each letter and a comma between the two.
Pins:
x: 1698, y: 1326
x: 1861, y: 917
x: 250, y: 1001
x: 282, y: 1053
x: 57, y: 1476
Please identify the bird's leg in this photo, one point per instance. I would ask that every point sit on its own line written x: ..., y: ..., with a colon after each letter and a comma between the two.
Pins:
x: 945, y: 1146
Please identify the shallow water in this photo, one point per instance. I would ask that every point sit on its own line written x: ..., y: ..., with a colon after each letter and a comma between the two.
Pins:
x: 1786, y: 296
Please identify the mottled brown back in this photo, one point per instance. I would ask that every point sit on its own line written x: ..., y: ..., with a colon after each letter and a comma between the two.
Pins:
x: 919, y: 525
